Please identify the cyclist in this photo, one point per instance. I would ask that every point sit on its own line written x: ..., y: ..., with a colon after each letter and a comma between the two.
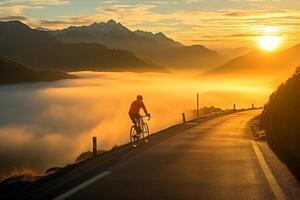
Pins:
x: 134, y: 112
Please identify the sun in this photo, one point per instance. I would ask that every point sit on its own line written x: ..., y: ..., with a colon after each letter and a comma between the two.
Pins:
x: 270, y: 38
x: 269, y: 43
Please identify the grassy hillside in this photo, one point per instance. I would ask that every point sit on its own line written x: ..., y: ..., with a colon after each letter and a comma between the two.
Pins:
x: 13, y: 72
x: 281, y: 121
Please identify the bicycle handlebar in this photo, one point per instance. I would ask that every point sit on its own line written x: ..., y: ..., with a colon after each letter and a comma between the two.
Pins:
x: 149, y: 116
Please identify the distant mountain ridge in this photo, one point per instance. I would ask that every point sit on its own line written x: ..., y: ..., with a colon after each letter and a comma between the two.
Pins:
x: 41, y: 50
x: 113, y: 34
x: 13, y: 72
x: 160, y: 37
x: 231, y: 53
x: 154, y: 46
x: 263, y: 62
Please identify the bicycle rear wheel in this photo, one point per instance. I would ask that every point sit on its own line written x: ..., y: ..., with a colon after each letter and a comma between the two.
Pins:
x: 146, y: 132
x: 134, y: 137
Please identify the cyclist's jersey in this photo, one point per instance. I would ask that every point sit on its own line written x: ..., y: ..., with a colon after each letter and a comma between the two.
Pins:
x: 136, y: 107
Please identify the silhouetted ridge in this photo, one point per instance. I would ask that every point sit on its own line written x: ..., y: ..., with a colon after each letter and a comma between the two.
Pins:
x: 160, y: 37
x: 13, y: 72
x: 154, y: 46
x: 263, y: 62
x: 15, y: 25
x: 41, y: 50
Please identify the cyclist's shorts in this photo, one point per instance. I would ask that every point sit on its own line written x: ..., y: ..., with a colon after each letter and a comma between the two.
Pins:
x: 134, y: 117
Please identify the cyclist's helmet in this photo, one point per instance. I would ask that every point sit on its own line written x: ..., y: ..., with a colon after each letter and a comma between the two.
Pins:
x: 139, y: 97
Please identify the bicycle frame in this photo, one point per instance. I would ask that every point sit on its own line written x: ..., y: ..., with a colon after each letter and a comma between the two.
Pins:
x: 142, y: 120
x: 145, y: 130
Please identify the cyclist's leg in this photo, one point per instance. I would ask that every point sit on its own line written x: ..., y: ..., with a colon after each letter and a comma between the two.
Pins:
x: 134, y: 118
x: 138, y: 123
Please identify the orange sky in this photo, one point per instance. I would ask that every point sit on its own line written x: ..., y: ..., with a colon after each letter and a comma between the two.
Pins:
x: 214, y: 23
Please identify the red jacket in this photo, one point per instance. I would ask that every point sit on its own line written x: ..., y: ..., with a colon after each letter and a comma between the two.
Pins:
x: 136, y: 107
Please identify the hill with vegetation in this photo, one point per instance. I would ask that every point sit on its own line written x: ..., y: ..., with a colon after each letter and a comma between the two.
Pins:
x: 281, y: 122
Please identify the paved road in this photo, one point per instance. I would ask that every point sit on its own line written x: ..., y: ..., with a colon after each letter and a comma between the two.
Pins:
x: 214, y: 160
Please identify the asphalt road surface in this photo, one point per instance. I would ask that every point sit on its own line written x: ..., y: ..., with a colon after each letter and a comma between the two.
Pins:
x: 214, y: 160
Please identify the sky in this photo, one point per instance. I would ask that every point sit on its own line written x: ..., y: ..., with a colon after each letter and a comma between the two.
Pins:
x: 213, y: 23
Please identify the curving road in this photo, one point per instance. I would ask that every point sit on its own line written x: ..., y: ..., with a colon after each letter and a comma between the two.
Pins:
x: 214, y: 160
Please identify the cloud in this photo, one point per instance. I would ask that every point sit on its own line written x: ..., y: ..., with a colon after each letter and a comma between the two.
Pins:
x: 17, y: 7
x: 13, y: 10
x: 192, y: 1
x: 239, y: 14
x: 243, y: 35
x: 33, y: 2
x: 14, y: 18
x: 111, y: 1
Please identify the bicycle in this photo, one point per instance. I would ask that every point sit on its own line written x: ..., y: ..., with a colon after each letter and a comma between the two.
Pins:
x: 134, y: 137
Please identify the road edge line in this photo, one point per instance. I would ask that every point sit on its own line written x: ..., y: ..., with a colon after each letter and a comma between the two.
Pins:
x: 277, y: 191
x: 81, y: 186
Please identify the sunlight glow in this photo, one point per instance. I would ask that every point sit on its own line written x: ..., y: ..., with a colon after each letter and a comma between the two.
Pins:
x: 270, y: 38
x: 269, y: 29
x: 269, y: 43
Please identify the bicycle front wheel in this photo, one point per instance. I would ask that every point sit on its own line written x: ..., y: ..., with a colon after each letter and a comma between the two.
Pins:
x: 134, y: 139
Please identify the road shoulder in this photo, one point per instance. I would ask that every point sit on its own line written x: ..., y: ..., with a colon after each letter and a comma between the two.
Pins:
x: 285, y: 178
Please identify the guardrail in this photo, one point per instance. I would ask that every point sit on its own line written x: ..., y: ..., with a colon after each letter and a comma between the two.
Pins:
x: 228, y: 111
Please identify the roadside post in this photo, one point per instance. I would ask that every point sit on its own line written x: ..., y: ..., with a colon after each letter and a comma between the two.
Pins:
x: 198, y: 115
x: 94, y: 146
x: 234, y: 107
x: 183, y: 118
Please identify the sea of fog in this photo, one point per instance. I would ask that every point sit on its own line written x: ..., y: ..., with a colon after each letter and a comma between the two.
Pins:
x: 49, y: 124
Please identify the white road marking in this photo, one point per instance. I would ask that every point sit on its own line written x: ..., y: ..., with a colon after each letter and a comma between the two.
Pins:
x: 81, y: 186
x: 268, y: 173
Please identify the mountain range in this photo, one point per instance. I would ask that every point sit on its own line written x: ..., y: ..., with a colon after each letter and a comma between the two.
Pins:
x: 154, y: 46
x: 83, y: 48
x: 13, y: 72
x: 39, y: 49
x: 263, y: 62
